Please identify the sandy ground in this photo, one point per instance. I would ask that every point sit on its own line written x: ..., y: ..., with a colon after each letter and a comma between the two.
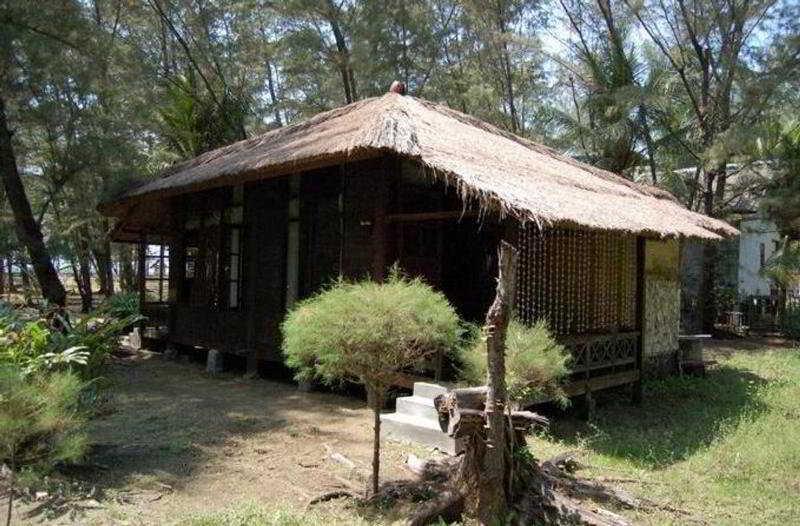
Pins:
x: 176, y: 442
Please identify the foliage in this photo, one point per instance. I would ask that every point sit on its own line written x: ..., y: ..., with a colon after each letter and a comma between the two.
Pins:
x: 81, y: 346
x: 783, y: 267
x: 790, y: 323
x: 368, y: 332
x: 782, y: 198
x: 716, y: 444
x: 120, y: 305
x: 535, y: 362
x: 41, y: 421
x: 40, y: 417
x: 254, y: 514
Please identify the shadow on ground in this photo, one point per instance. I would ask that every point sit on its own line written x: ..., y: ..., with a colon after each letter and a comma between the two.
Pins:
x: 677, y: 417
x: 169, y: 421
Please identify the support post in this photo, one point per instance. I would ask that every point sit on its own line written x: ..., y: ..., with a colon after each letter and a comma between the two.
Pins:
x: 142, y: 270
x: 379, y: 229
x: 641, y: 244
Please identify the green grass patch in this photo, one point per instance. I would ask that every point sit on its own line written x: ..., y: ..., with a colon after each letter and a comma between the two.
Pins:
x: 253, y: 514
x: 725, y: 448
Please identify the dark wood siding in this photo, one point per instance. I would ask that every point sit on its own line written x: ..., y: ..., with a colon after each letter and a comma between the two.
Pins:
x: 365, y: 181
x: 266, y: 205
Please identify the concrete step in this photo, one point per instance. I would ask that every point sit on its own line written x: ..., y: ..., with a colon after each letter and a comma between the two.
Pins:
x: 417, y: 406
x: 426, y: 390
x: 407, y: 428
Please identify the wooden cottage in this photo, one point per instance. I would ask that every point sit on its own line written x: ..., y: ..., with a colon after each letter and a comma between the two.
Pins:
x: 231, y: 239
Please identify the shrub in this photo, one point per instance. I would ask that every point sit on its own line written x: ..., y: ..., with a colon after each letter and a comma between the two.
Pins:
x: 40, y: 420
x: 790, y: 323
x: 99, y: 336
x: 81, y: 345
x: 535, y: 362
x: 368, y: 332
x: 120, y: 305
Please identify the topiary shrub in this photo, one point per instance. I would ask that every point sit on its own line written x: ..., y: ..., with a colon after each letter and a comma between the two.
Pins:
x: 367, y: 332
x: 535, y: 363
x: 790, y: 323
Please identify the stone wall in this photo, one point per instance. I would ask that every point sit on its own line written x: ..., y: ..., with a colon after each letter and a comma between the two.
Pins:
x: 662, y: 306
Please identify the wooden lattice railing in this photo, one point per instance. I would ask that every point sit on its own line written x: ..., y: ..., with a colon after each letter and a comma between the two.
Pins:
x: 605, y: 351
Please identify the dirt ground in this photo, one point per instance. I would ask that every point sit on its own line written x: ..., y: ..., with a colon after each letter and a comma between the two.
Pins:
x: 176, y: 442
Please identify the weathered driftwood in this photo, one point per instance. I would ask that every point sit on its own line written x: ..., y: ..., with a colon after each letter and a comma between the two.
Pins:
x: 462, y: 413
x: 546, y: 493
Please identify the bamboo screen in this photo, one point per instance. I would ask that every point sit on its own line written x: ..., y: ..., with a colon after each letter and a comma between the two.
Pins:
x: 579, y: 282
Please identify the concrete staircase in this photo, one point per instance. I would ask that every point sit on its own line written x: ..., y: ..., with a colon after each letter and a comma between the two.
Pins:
x: 416, y: 420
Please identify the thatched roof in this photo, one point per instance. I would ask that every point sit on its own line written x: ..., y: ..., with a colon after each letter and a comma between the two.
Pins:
x: 500, y: 170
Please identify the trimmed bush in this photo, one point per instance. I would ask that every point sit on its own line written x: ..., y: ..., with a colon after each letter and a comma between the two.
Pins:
x: 535, y: 362
x: 368, y: 333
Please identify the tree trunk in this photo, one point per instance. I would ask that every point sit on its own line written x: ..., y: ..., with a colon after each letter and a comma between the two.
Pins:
x: 24, y: 277
x: 105, y: 270
x: 492, y: 494
x: 83, y: 276
x: 127, y: 272
x: 12, y: 287
x: 714, y: 189
x: 375, y: 401
x: 376, y: 448
x: 28, y: 231
x: 273, y: 96
x: 344, y: 65
x: 2, y: 276
x: 11, y: 488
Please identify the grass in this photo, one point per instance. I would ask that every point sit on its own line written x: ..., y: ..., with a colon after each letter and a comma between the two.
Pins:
x: 726, y: 448
x: 183, y: 448
x: 253, y: 514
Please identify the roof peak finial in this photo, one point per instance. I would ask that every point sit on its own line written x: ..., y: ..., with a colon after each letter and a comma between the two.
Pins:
x: 398, y: 87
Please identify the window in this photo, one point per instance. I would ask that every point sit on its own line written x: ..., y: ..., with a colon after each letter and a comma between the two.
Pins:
x: 212, y: 252
x: 233, y: 217
x: 156, y: 272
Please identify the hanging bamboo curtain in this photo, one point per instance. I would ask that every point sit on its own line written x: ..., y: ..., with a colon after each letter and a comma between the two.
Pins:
x: 579, y: 282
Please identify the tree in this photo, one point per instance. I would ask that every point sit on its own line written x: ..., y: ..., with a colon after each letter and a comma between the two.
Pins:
x: 782, y: 196
x: 369, y: 333
x: 613, y: 88
x: 716, y: 51
x: 28, y: 231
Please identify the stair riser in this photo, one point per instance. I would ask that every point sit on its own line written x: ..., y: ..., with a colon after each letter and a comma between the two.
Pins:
x: 420, y: 435
x: 425, y: 390
x: 409, y: 406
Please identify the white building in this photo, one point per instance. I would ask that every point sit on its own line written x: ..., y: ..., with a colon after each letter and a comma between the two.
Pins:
x: 758, y: 242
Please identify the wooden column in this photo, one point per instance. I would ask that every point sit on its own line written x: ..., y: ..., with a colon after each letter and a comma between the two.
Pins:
x: 641, y: 244
x: 380, y: 229
x: 142, y: 268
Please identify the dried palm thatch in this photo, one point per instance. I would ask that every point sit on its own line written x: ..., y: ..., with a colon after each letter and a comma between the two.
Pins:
x: 502, y: 172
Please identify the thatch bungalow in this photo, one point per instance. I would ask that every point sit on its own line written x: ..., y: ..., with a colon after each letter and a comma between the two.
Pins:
x: 231, y: 239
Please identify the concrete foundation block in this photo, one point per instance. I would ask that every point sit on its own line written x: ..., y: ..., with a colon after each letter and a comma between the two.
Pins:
x: 135, y: 339
x: 215, y: 362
